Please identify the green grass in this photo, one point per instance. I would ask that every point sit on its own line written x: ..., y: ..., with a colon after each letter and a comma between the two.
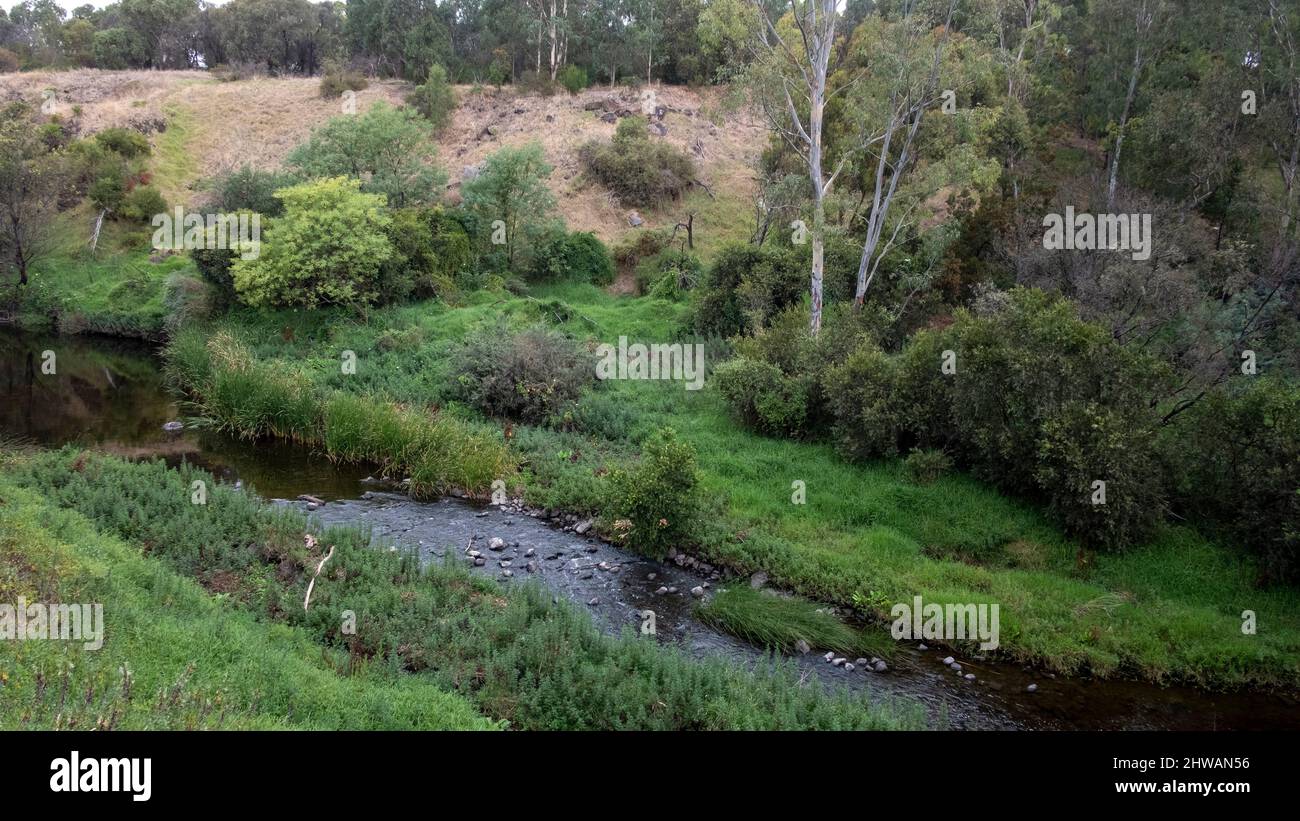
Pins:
x: 775, y: 621
x: 514, y: 654
x: 865, y: 537
x: 174, y: 656
x: 113, y: 290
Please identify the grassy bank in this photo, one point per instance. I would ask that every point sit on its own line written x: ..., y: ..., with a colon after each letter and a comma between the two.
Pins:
x: 176, y: 656
x: 865, y: 538
x: 514, y: 655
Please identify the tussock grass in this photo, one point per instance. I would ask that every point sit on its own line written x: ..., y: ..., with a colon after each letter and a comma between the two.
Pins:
x: 778, y: 622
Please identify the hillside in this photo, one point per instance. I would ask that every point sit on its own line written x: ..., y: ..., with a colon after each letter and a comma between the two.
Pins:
x: 201, y: 126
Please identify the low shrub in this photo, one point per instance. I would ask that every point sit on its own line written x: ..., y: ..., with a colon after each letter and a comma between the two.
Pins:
x: 338, y: 80
x: 435, y: 100
x: 251, y: 189
x: 639, y: 170
x: 653, y: 506
x: 525, y: 376
x: 124, y: 141
x: 573, y: 78
x: 141, y: 204
x: 578, y: 256
x: 186, y: 300
x: 925, y: 466
x: 764, y: 397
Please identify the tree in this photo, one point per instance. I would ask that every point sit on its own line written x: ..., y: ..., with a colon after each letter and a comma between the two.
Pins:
x: 327, y: 249
x: 31, y: 178
x: 383, y: 148
x: 511, y: 188
x: 790, y: 74
x: 435, y: 100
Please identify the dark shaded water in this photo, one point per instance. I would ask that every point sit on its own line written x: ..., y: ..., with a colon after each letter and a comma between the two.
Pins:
x: 109, y: 394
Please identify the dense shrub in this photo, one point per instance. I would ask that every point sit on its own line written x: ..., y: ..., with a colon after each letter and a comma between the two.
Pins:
x: 425, y: 257
x: 766, y: 399
x: 1098, y: 471
x: 639, y: 170
x: 744, y: 287
x: 336, y: 80
x: 922, y: 466
x: 385, y: 148
x: 573, y: 78
x: 107, y: 191
x: 654, y: 505
x: 8, y: 61
x: 302, y: 265
x: 536, y: 82
x: 186, y: 300
x: 141, y: 204
x: 435, y: 100
x: 578, y: 256
x: 860, y: 393
x: 124, y: 141
x: 251, y: 189
x: 1235, y: 459
x: 525, y: 376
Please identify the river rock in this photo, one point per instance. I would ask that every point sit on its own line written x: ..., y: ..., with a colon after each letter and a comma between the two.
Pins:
x: 1033, y: 688
x: 922, y: 647
x: 697, y: 592
x: 507, y: 573
x: 848, y: 665
x: 838, y: 661
x: 651, y: 576
x: 969, y: 676
x: 173, y: 426
x: 880, y: 667
x: 672, y: 590
x: 496, y: 543
x: 529, y: 552
x: 757, y: 580
x: 594, y: 602
x: 861, y: 662
x: 531, y: 567
x: 948, y: 660
x: 504, y: 562
x: 801, y: 647
x: 582, y: 527
x: 479, y: 561
x: 310, y: 499
x: 829, y: 656
x: 663, y: 591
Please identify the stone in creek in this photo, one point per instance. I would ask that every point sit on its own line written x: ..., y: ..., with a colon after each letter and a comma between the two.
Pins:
x: 473, y: 554
x: 672, y: 590
x: 306, y: 497
x: 603, y: 566
x: 956, y: 668
x: 479, y: 561
x: 504, y: 562
x: 507, y: 573
x: 497, y: 543
x: 801, y: 647
x: 948, y: 660
x: 663, y: 591
x: 970, y: 676
x: 1033, y: 688
x: 861, y: 662
x: 922, y: 647
x: 829, y: 656
x: 582, y: 527
x: 838, y: 662
x: 173, y: 426
x: 531, y: 567
x: 881, y: 667
x: 758, y: 580
x: 594, y: 602
x: 697, y: 592
x: 651, y: 576
x: 481, y: 515
x: 592, y: 548
x: 848, y: 665
x: 529, y: 552
x: 312, y: 506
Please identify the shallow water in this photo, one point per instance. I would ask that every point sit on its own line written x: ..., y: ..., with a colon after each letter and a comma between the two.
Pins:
x: 110, y: 395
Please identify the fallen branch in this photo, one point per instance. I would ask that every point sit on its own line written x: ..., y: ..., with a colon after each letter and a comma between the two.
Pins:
x: 306, y: 601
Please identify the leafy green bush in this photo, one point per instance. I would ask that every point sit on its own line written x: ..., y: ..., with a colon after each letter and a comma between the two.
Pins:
x: 745, y: 287
x: 302, y: 265
x: 250, y: 189
x: 124, y: 141
x: 639, y: 170
x: 573, y: 78
x: 535, y: 82
x: 653, y: 506
x: 512, y: 203
x: 764, y: 397
x: 525, y: 376
x: 1098, y: 470
x: 108, y: 191
x: 578, y: 256
x: 1235, y: 459
x: 860, y: 394
x: 385, y: 148
x: 141, y: 204
x: 435, y: 100
x: 923, y: 466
